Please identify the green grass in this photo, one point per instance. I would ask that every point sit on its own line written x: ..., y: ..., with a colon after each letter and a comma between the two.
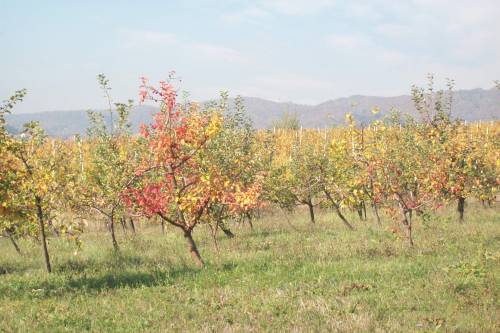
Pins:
x: 285, y: 275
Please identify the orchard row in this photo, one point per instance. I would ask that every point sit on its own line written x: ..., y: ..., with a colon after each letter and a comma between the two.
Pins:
x: 206, y: 165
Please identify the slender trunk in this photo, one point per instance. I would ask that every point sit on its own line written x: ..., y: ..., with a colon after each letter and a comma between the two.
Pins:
x: 193, y: 249
x: 222, y: 226
x: 226, y: 230
x: 51, y: 226
x: 213, y: 231
x: 249, y: 217
x: 407, y: 224
x: 162, y: 227
x: 337, y: 210
x: 360, y: 212
x: 41, y: 225
x: 364, y: 209
x: 124, y: 226
x: 14, y: 243
x: 339, y: 214
x: 113, y: 236
x: 461, y: 208
x: 375, y: 209
x: 132, y: 225
x: 311, y: 211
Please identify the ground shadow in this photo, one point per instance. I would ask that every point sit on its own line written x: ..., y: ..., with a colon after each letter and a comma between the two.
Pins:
x: 111, y: 280
x: 131, y: 279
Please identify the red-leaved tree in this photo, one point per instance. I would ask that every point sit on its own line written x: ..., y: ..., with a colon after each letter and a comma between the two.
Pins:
x: 177, y: 179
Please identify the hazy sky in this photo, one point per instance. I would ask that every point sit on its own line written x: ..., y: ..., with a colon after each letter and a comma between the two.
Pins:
x: 305, y: 51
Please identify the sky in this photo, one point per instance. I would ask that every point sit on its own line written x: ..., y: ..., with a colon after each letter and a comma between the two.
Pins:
x: 305, y: 51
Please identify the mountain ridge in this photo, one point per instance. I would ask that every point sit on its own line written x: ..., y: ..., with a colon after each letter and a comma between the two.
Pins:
x: 471, y: 105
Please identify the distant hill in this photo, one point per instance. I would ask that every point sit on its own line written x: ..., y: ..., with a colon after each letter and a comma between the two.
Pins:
x: 11, y: 129
x: 68, y: 123
x: 470, y: 105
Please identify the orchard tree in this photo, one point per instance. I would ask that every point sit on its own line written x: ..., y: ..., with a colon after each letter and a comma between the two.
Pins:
x: 295, y: 179
x: 407, y: 158
x: 46, y: 174
x: 338, y: 175
x: 11, y: 214
x: 174, y: 180
x: 460, y: 164
x: 185, y: 178
x: 402, y: 167
x: 360, y: 183
x: 280, y: 180
x: 288, y: 121
x: 365, y: 160
x: 484, y: 165
x: 460, y: 167
x: 107, y: 162
x: 234, y: 152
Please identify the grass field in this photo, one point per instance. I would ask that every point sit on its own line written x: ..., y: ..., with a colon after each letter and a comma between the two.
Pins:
x: 285, y: 275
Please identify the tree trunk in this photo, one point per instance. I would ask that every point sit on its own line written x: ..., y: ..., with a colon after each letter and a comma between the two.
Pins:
x: 123, y: 224
x: 132, y: 225
x: 360, y: 212
x: 337, y: 210
x: 249, y: 217
x: 41, y: 225
x: 364, y: 210
x: 113, y: 236
x: 225, y: 230
x: 407, y: 224
x: 339, y: 214
x: 162, y: 227
x: 311, y: 211
x: 461, y: 208
x: 375, y: 209
x: 14, y: 243
x: 51, y: 226
x: 193, y: 249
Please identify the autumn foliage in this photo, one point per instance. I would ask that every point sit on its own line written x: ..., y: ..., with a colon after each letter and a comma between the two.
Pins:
x: 176, y: 178
x: 204, y: 164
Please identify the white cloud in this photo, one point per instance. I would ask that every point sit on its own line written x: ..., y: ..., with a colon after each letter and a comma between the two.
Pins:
x: 264, y: 9
x: 286, y: 87
x: 247, y: 15
x: 393, y: 30
x: 219, y: 52
x: 296, y: 7
x: 450, y: 32
x: 362, y: 10
x: 136, y: 38
x: 347, y: 42
x: 359, y: 47
x: 393, y: 57
x: 150, y: 37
